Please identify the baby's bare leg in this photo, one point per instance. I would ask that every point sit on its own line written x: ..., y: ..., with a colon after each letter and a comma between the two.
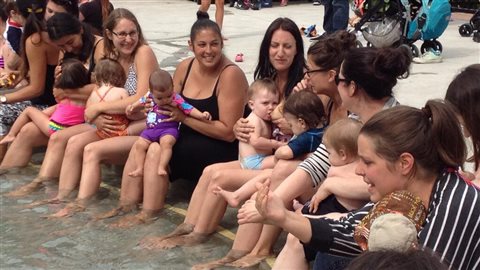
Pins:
x: 140, y: 151
x: 166, y: 145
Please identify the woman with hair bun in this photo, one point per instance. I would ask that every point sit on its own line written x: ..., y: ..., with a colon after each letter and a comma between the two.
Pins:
x: 402, y: 148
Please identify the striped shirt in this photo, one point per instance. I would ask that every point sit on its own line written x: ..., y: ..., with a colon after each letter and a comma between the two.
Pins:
x: 451, y: 230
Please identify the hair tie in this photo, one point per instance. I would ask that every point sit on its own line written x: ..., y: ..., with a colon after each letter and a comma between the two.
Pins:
x: 427, y: 112
x: 36, y: 11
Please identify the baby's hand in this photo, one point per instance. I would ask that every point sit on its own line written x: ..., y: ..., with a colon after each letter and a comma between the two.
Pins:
x: 129, y: 110
x: 207, y: 116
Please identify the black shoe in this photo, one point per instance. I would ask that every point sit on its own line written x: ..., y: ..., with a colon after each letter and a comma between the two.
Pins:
x: 232, y: 3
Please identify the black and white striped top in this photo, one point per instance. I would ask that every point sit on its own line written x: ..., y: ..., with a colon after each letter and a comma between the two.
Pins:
x: 451, y: 230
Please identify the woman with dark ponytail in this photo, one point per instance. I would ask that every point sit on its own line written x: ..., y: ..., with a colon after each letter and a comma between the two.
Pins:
x: 402, y: 148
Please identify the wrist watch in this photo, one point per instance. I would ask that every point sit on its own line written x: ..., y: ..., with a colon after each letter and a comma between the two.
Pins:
x: 3, y: 99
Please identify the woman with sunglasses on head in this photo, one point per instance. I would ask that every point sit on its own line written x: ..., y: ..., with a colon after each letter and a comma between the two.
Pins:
x: 402, y: 148
x: 280, y: 59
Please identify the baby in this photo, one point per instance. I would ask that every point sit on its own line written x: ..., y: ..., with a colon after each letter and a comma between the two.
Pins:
x: 158, y: 129
x: 304, y: 112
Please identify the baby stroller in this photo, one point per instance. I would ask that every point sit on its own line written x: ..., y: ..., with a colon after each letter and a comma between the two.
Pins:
x: 473, y: 27
x: 403, y: 22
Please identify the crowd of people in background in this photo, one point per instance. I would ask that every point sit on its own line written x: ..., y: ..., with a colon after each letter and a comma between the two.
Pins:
x: 316, y: 146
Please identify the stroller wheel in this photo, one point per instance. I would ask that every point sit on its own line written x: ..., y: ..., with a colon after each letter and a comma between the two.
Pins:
x: 465, y: 30
x: 358, y: 44
x: 369, y: 45
x: 415, y: 50
x: 431, y: 45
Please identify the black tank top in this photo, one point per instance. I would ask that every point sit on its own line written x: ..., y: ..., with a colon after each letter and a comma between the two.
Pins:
x: 194, y: 151
x: 47, y: 97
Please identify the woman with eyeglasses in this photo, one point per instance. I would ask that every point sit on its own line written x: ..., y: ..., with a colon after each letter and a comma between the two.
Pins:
x: 39, y: 59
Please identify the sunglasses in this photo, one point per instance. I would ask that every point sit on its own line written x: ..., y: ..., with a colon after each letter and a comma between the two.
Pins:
x: 338, y: 80
x: 309, y: 72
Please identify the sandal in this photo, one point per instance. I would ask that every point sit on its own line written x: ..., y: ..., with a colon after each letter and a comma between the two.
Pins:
x: 239, y: 57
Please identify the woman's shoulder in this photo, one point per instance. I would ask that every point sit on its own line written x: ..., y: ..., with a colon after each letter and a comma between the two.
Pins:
x: 36, y: 40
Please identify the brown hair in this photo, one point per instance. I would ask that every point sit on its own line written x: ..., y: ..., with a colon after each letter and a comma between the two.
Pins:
x: 109, y: 71
x: 160, y: 80
x: 375, y: 71
x: 329, y: 52
x: 305, y: 105
x: 343, y: 135
x: 111, y: 22
x: 263, y: 84
x: 431, y: 135
x: 74, y: 75
x: 464, y: 93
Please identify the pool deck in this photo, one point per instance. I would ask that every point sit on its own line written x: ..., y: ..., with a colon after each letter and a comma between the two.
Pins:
x: 29, y: 241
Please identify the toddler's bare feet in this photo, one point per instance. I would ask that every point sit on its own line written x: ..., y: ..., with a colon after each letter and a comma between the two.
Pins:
x: 231, y: 256
x: 7, y: 139
x: 137, y: 173
x: 231, y: 198
x: 248, y: 261
x: 47, y: 201
x: 162, y: 171
x: 186, y: 240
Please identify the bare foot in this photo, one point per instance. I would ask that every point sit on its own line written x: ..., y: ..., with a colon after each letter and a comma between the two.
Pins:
x: 231, y: 198
x: 119, y: 211
x: 186, y: 240
x: 25, y: 189
x: 69, y: 210
x: 137, y: 173
x: 231, y: 256
x: 248, y: 261
x: 154, y: 241
x: 47, y: 201
x: 162, y: 171
x: 144, y: 217
x: 7, y: 139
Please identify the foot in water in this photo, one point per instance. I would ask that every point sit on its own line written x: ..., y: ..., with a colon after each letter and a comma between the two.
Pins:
x: 153, y: 242
x: 186, y: 240
x: 247, y: 261
x: 31, y: 187
x: 231, y: 256
x: 119, y: 211
x: 69, y: 210
x: 144, y: 217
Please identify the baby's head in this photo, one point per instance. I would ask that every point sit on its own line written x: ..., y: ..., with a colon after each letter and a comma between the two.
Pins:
x: 110, y: 72
x: 263, y: 98
x: 161, y: 87
x: 74, y: 75
x: 340, y: 139
x: 303, y: 111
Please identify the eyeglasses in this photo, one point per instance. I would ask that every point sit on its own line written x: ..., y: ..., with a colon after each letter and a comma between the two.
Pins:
x: 309, y: 72
x: 338, y: 80
x: 123, y: 35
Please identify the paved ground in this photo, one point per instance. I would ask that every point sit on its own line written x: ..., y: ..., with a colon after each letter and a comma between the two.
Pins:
x: 29, y: 242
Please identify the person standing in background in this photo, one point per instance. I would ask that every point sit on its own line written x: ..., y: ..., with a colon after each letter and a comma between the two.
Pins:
x: 219, y: 11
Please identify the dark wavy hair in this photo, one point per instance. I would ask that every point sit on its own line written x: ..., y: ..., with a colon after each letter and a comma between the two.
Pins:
x: 376, y: 71
x: 265, y: 69
x: 71, y: 6
x: 64, y: 24
x: 329, y: 52
x: 33, y: 11
x: 74, y: 75
x: 464, y: 94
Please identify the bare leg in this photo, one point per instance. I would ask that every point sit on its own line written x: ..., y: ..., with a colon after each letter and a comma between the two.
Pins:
x: 292, y: 255
x: 204, y: 5
x: 234, y: 199
x: 231, y: 256
x: 20, y: 150
x: 114, y: 150
x: 166, y: 144
x: 140, y: 151
x: 155, y: 189
x: 219, y: 12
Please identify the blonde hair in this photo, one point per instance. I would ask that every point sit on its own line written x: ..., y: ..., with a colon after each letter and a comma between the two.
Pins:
x: 343, y: 135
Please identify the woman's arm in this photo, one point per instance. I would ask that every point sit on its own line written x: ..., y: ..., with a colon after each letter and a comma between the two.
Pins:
x: 37, y: 58
x: 145, y: 63
x: 232, y: 90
